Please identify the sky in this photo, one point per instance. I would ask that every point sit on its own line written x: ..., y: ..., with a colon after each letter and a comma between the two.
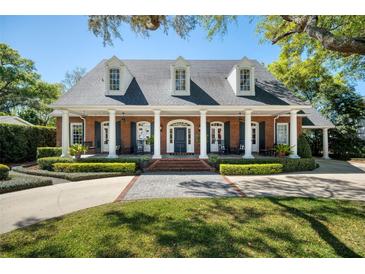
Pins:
x: 58, y: 44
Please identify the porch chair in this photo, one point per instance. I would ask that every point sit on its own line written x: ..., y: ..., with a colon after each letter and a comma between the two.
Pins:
x: 139, y: 147
x: 222, y: 148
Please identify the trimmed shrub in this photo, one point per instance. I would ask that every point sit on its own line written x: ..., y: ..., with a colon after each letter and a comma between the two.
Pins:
x: 67, y: 176
x: 138, y: 161
x: 254, y: 169
x: 125, y: 168
x: 19, y: 182
x: 304, y: 149
x: 43, y: 152
x: 19, y: 143
x: 289, y: 165
x: 4, y: 172
x: 47, y: 162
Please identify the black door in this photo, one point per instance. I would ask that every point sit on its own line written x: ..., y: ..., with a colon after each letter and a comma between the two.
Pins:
x: 180, y: 139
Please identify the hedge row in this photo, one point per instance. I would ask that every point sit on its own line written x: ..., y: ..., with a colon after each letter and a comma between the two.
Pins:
x: 125, y: 168
x: 67, y: 176
x: 4, y: 172
x: 19, y: 143
x: 289, y: 164
x: 18, y: 182
x: 254, y: 169
x: 47, y: 162
x: 43, y: 152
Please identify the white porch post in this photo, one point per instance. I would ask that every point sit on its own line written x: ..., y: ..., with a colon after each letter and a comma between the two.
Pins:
x: 248, y: 135
x: 157, y: 137
x: 203, y: 135
x: 65, y: 133
x: 293, y: 134
x: 112, y: 133
x: 325, y: 144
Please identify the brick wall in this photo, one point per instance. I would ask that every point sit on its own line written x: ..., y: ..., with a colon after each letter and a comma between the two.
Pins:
x: 126, y: 131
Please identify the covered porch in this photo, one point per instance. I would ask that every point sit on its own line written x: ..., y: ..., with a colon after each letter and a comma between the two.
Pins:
x: 180, y: 131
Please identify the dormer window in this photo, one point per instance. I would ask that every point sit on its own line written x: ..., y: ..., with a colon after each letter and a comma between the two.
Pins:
x: 114, y: 79
x: 180, y: 79
x: 245, y: 80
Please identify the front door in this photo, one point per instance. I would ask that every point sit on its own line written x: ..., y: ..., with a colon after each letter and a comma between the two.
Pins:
x: 180, y: 140
x: 105, y: 137
x: 255, y: 137
x: 216, y: 136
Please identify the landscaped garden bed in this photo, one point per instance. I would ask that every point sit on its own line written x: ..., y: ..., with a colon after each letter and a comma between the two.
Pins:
x: 253, y: 169
x: 17, y: 182
x: 226, y: 227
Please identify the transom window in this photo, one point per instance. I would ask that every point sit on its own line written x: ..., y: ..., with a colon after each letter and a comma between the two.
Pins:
x: 76, y: 133
x: 114, y: 79
x: 245, y: 84
x: 282, y: 133
x: 180, y: 124
x: 180, y: 78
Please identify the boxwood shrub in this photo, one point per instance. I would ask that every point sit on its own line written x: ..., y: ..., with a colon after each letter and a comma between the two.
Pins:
x: 19, y: 143
x: 47, y: 162
x: 43, y: 152
x: 125, y: 168
x: 4, y: 172
x: 19, y: 182
x: 250, y: 169
x: 137, y: 160
x: 289, y: 164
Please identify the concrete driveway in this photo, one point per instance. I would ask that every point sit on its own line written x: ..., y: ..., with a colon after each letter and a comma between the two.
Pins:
x: 26, y: 207
x: 333, y: 179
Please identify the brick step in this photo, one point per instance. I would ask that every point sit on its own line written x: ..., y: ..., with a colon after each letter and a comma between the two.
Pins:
x: 191, y: 164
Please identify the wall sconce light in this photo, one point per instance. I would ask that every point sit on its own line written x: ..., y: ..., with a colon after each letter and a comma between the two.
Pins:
x: 123, y: 117
x: 240, y: 118
x: 160, y: 128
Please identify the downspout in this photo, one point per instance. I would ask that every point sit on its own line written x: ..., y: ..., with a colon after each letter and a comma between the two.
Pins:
x: 84, y: 127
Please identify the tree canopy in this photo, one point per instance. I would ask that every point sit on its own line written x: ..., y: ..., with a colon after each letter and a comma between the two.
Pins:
x: 72, y: 77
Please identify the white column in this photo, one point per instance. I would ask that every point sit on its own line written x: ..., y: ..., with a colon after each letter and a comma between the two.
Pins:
x: 112, y: 134
x: 157, y: 137
x: 293, y: 134
x: 248, y: 135
x: 325, y: 144
x: 65, y: 134
x: 203, y: 135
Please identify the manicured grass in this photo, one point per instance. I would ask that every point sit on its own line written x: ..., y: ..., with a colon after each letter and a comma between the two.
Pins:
x: 227, y: 227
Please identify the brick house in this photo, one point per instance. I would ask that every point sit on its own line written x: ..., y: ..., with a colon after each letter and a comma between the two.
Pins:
x: 188, y: 106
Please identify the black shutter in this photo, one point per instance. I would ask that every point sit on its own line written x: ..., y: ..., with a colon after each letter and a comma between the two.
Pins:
x: 262, y: 135
x: 97, y: 137
x: 83, y: 132
x: 133, y: 137
x: 242, y: 133
x: 118, y: 134
x: 227, y: 135
x: 288, y: 133
x: 152, y: 134
x: 208, y: 137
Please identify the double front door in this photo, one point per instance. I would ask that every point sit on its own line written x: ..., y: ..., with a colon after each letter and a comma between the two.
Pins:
x: 180, y: 140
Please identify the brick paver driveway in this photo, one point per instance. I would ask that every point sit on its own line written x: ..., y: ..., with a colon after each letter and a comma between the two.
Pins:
x: 333, y: 179
x: 169, y: 185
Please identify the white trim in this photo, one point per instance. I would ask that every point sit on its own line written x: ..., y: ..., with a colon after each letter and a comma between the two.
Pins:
x: 210, y: 135
x: 102, y: 124
x: 257, y: 127
x: 146, y: 147
x: 287, y: 132
x: 318, y: 127
x: 170, y: 147
x: 71, y: 131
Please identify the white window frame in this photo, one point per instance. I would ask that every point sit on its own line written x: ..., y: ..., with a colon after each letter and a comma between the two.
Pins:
x: 147, y: 147
x: 170, y: 147
x: 110, y: 78
x: 243, y: 86
x: 72, y: 132
x: 181, y: 80
x: 180, y: 64
x: 287, y: 132
x: 243, y: 92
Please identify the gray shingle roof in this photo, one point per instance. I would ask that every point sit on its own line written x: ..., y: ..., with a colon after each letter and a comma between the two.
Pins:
x: 315, y: 119
x: 14, y: 120
x: 151, y: 83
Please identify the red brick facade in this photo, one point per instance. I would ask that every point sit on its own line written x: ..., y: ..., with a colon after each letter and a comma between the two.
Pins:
x: 126, y: 131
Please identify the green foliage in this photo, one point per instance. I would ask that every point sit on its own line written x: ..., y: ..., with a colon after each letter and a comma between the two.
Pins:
x: 150, y: 140
x: 304, y: 150
x: 4, y: 172
x: 137, y: 160
x: 125, y: 168
x: 19, y: 143
x: 21, y: 88
x: 289, y: 165
x: 72, y: 77
x: 282, y: 149
x: 43, y: 152
x: 213, y: 158
x: 67, y: 176
x: 77, y: 150
x: 18, y: 182
x: 253, y: 169
x: 48, y: 162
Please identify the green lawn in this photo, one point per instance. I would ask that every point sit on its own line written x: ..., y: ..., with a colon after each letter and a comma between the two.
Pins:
x: 231, y: 227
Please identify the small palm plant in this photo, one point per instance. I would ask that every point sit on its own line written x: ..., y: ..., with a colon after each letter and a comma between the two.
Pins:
x: 283, y: 150
x: 77, y: 150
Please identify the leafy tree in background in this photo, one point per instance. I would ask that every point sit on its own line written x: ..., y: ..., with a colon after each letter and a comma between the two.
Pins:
x: 21, y: 88
x: 72, y: 77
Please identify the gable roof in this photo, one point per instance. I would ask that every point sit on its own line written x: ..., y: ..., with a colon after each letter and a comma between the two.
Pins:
x: 314, y: 119
x: 14, y: 120
x: 150, y: 86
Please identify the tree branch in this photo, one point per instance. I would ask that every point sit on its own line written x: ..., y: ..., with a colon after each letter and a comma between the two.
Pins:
x: 277, y: 39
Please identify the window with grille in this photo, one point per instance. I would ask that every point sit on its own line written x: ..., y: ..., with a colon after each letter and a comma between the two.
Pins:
x: 114, y: 79
x: 76, y: 133
x: 245, y: 84
x: 282, y: 134
x: 180, y: 78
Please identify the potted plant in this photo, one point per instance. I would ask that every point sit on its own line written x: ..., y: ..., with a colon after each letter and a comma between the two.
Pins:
x: 77, y: 150
x: 282, y: 150
x: 150, y: 140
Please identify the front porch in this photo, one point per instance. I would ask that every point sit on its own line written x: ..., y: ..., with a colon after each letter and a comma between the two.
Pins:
x: 179, y: 133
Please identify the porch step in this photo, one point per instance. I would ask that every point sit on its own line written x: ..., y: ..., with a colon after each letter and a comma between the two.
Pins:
x: 182, y: 164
